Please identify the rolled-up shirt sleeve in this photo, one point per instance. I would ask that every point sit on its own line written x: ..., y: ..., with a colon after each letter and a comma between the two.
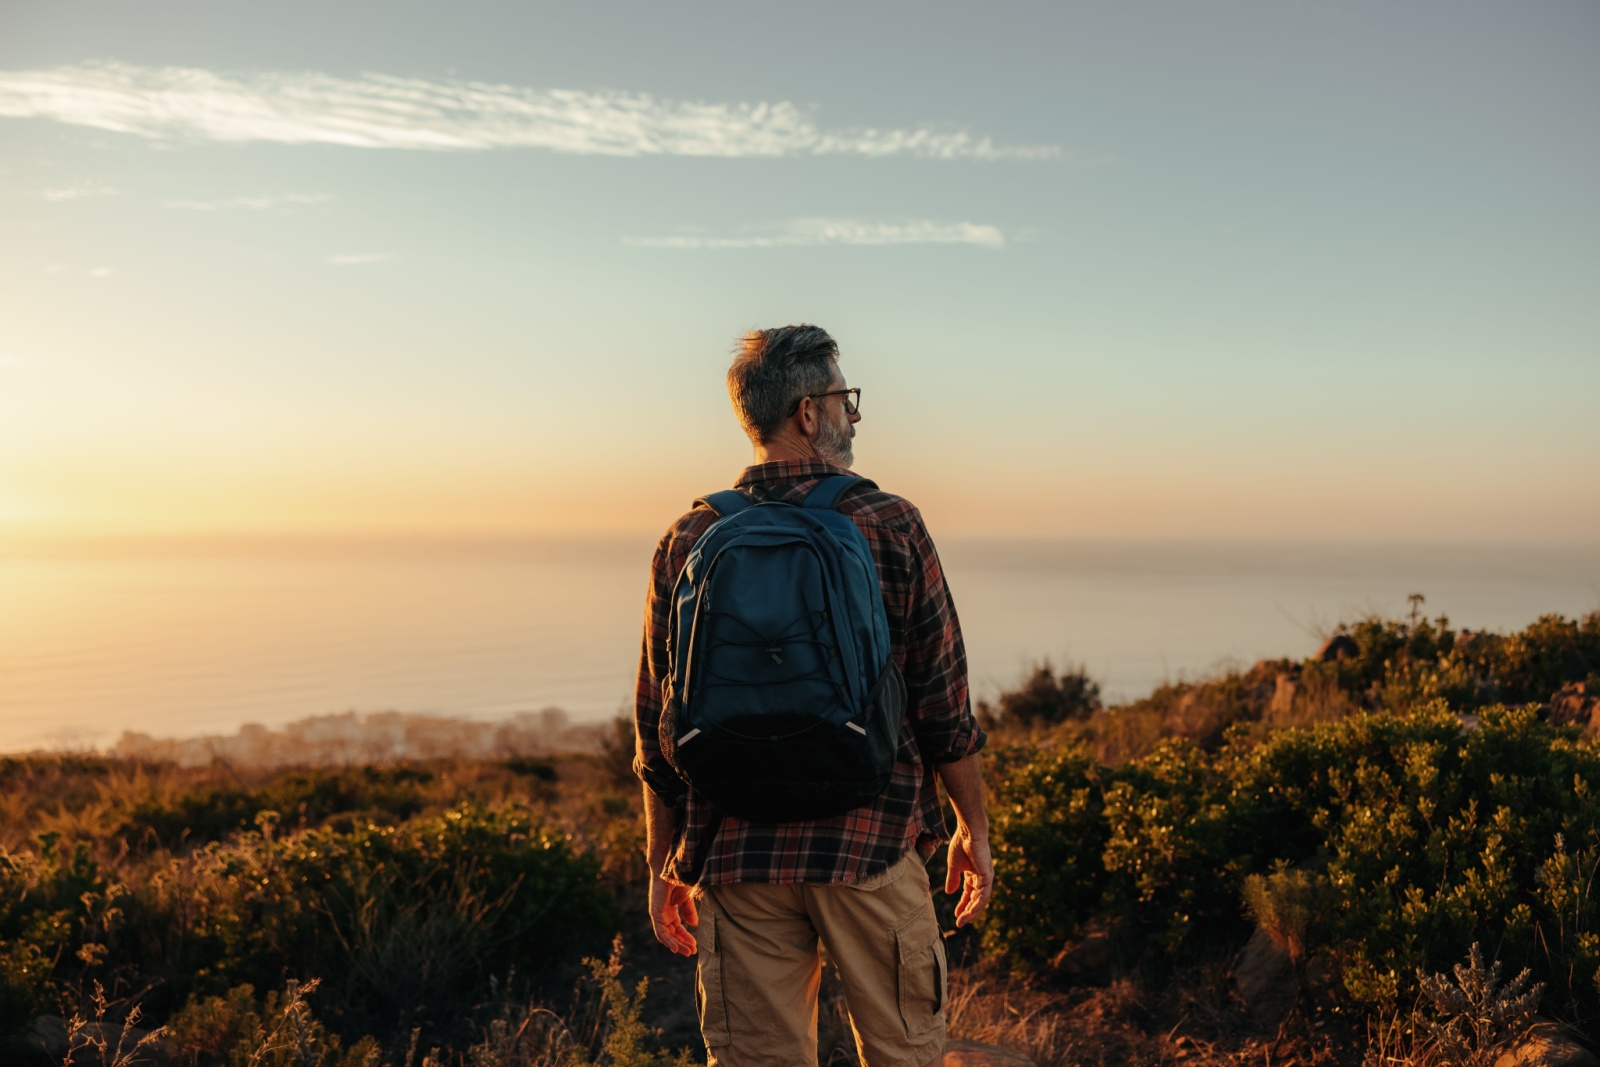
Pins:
x: 935, y: 663
x: 649, y: 693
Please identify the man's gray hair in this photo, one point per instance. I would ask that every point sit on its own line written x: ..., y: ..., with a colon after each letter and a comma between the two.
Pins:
x: 774, y: 368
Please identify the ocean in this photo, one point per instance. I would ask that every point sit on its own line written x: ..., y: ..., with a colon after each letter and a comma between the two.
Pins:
x: 183, y: 638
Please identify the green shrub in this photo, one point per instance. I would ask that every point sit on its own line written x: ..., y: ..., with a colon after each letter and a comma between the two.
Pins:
x: 1474, y: 1019
x: 1393, y: 840
x: 60, y: 918
x: 402, y: 916
x: 234, y: 1030
x: 207, y: 1030
x: 1295, y: 906
x: 397, y: 916
x: 1048, y: 831
x: 1435, y: 839
x: 1172, y: 855
x: 24, y: 973
x: 306, y: 798
x: 628, y: 1042
x: 1566, y: 922
x: 1401, y: 665
x: 1045, y: 699
x: 1552, y: 651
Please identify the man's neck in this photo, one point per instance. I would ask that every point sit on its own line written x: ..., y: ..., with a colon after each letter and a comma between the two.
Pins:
x: 786, y: 446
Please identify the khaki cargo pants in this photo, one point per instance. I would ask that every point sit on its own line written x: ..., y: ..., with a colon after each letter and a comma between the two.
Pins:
x: 758, y: 969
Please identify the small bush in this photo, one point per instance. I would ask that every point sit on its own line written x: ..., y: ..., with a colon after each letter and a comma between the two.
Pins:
x: 1475, y: 1018
x: 235, y: 1030
x: 96, y: 1040
x: 1045, y: 699
x: 404, y: 914
x: 627, y: 1042
x: 1293, y: 905
x: 1049, y: 832
x: 60, y: 921
x: 1172, y: 855
x: 305, y: 798
x: 1394, y: 841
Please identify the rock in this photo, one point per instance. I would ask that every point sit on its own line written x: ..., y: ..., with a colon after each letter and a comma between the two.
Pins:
x: 1264, y: 979
x: 1573, y: 704
x: 959, y: 1053
x: 1321, y: 971
x: 45, y: 1041
x: 1285, y: 686
x: 1087, y: 962
x: 1262, y: 682
x: 1337, y: 647
x: 1546, y: 1044
x: 46, y: 1035
x: 14, y: 1053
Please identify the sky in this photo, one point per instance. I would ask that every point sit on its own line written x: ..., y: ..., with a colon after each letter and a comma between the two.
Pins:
x: 1292, y: 270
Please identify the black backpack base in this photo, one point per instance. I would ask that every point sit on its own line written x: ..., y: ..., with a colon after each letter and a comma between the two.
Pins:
x: 745, y: 767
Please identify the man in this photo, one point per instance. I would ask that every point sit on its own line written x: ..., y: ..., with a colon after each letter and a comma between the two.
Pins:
x: 761, y: 895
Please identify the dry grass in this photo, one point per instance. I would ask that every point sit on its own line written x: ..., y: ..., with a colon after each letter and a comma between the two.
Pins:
x: 1189, y: 1019
x: 96, y: 1041
x: 1316, y: 700
x: 1002, y: 1009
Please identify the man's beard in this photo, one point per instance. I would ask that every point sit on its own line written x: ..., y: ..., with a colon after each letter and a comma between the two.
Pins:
x: 833, y: 443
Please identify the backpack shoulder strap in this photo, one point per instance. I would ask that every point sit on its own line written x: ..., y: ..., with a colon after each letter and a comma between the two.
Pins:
x: 726, y: 502
x: 826, y: 493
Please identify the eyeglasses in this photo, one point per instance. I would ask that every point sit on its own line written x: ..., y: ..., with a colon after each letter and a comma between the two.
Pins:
x: 852, y: 400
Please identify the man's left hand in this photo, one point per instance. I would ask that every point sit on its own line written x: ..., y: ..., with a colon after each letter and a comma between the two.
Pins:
x: 972, y: 870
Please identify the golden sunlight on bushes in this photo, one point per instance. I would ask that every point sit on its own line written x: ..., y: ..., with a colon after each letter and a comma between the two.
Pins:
x: 1330, y: 861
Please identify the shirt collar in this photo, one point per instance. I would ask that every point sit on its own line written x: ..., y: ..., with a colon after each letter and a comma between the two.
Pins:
x: 787, y: 470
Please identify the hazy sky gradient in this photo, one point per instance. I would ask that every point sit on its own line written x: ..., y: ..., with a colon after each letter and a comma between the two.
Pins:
x: 1189, y: 269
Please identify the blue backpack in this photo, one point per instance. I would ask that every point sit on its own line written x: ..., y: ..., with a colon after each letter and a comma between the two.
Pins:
x: 783, y: 701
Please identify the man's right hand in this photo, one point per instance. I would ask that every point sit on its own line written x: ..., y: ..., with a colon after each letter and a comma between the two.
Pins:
x: 671, y: 908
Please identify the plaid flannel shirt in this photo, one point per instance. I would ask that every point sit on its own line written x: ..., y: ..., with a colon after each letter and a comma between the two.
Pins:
x: 939, y: 727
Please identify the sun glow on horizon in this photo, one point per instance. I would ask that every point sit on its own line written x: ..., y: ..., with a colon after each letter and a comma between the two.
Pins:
x: 312, y: 282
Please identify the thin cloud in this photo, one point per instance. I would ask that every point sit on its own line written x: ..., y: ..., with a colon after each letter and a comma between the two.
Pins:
x: 381, y: 111
x: 79, y: 191
x: 800, y: 232
x: 251, y: 203
x: 357, y: 259
x: 84, y: 272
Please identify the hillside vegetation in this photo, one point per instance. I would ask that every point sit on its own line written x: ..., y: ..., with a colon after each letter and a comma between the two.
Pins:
x: 1354, y: 826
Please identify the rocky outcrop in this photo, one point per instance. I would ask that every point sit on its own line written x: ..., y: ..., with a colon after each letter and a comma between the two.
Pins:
x: 1284, y: 688
x: 1337, y: 647
x: 42, y: 1042
x: 1088, y: 961
x: 1574, y: 704
x: 1547, y: 1044
x: 959, y: 1053
x: 1264, y: 980
x: 47, y: 1040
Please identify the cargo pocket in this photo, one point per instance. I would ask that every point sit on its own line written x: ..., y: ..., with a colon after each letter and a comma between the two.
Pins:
x: 708, y: 998
x: 922, y: 973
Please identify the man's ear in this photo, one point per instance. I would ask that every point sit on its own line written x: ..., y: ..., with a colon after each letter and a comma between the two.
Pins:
x: 808, y: 417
